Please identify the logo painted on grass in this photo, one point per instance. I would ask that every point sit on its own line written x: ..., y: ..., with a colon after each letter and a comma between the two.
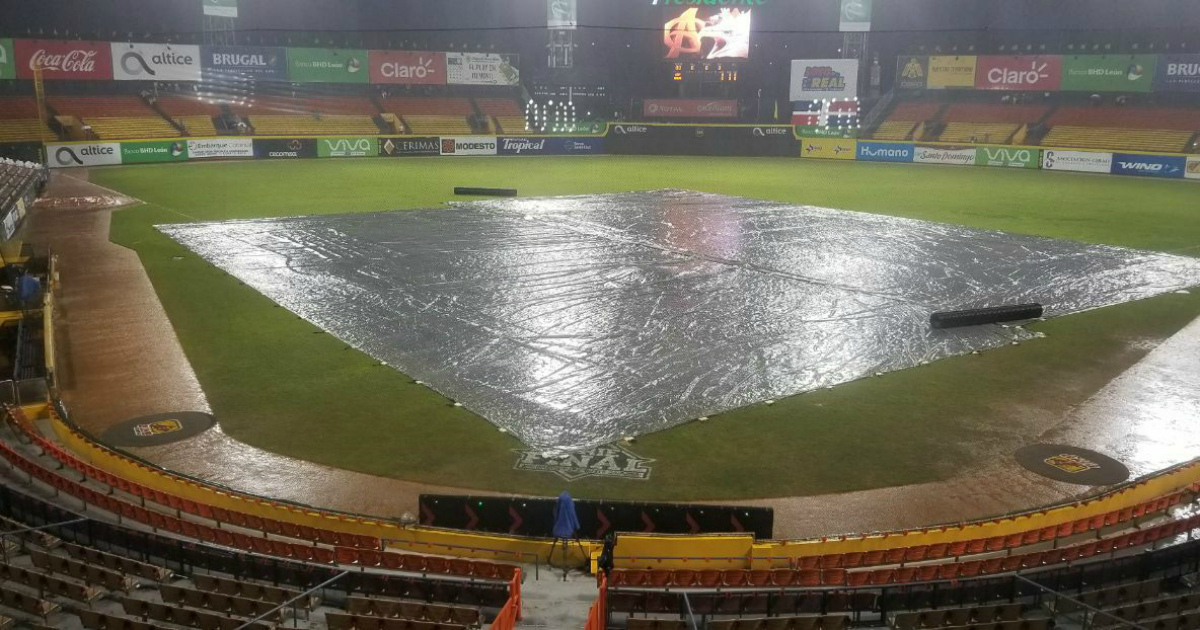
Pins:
x: 142, y: 152
x: 1004, y: 156
x: 603, y: 461
x: 160, y: 427
x: 1073, y: 464
x: 347, y: 147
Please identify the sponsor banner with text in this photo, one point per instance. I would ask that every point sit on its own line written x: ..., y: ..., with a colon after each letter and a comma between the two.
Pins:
x: 689, y: 108
x: 1081, y: 161
x: 481, y: 69
x: 155, y: 62
x: 327, y: 65
x: 550, y: 145
x: 348, y: 147
x: 813, y: 131
x: 408, y: 146
x: 221, y: 8
x: 818, y: 79
x: 407, y: 68
x: 855, y: 15
x: 63, y: 59
x: 828, y: 148
x: 885, y: 151
x: 220, y: 148
x: 8, y: 59
x: 951, y: 72
x: 468, y: 145
x: 1011, y: 157
x: 284, y: 148
x: 1193, y: 168
x: 1038, y: 72
x: 912, y: 73
x: 85, y: 154
x: 158, y: 151
x: 944, y: 155
x: 1168, y: 166
x: 1102, y: 73
x: 1178, y: 73
x: 260, y: 62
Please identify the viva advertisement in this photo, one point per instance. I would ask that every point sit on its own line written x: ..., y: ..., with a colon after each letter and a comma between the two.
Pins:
x: 220, y: 148
x: 1192, y: 171
x: 161, y: 151
x: 68, y: 60
x: 912, y: 73
x: 469, y: 145
x: 326, y: 65
x: 885, y: 152
x: 1102, y: 73
x: 820, y: 79
x: 8, y: 61
x: 963, y: 156
x: 155, y: 62
x: 1079, y: 161
x: 1010, y: 157
x: 409, y: 146
x: 1029, y: 72
x: 1167, y: 166
x: 951, y: 72
x: 828, y: 148
x: 550, y: 145
x: 258, y: 62
x: 407, y: 68
x: 347, y: 147
x: 1178, y: 73
x: 84, y: 154
x: 481, y: 69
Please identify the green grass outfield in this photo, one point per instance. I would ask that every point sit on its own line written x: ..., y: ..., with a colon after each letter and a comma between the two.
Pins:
x: 275, y: 384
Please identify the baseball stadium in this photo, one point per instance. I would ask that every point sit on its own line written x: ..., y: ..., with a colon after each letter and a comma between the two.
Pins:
x: 600, y: 315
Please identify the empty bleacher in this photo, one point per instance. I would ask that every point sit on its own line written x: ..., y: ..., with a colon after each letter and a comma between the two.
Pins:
x: 194, y: 113
x: 312, y: 115
x: 504, y: 113
x: 986, y: 123
x: 431, y: 116
x: 904, y: 118
x: 114, y: 117
x: 19, y: 120
x: 1134, y: 128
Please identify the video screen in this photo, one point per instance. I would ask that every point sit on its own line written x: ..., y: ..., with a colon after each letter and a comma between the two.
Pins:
x: 721, y: 34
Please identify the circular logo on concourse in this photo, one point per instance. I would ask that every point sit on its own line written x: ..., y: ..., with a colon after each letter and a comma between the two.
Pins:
x: 1072, y: 464
x: 158, y: 429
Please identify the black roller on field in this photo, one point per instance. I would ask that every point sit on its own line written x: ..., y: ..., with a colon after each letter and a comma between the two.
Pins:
x: 988, y: 315
x: 485, y: 192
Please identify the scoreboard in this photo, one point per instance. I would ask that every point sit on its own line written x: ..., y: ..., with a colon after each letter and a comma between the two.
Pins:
x: 704, y: 71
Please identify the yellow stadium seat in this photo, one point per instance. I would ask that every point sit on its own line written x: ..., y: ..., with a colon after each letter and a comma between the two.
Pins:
x: 437, y: 125
x: 197, y: 124
x: 311, y: 125
x: 978, y: 133
x: 131, y: 127
x: 894, y: 130
x: 22, y: 130
x: 1167, y: 140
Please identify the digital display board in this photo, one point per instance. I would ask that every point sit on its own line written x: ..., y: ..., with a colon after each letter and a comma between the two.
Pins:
x: 711, y: 34
x: 704, y: 71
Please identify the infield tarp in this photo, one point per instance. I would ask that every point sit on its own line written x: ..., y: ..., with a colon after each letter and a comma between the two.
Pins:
x: 575, y: 321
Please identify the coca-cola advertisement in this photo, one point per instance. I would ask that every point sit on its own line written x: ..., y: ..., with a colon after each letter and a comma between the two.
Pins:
x: 1028, y: 72
x: 63, y: 59
x: 410, y: 68
x: 689, y: 108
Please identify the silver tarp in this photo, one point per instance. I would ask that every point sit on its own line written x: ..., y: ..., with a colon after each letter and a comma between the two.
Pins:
x: 575, y: 321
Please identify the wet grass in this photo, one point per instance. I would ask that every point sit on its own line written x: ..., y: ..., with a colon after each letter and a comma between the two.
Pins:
x: 277, y: 384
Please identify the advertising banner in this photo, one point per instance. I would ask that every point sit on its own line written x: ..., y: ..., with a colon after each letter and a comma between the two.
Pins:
x: 90, y: 154
x: 220, y: 8
x: 1081, y: 161
x: 159, y: 151
x: 689, y: 108
x: 855, y: 15
x: 1037, y: 72
x: 285, y: 148
x: 828, y: 148
x: 1168, y: 166
x: 560, y: 15
x: 8, y: 59
x: 1193, y: 168
x: 814, y: 131
x: 327, y: 65
x: 348, y: 147
x: 90, y: 61
x: 912, y: 73
x: 155, y: 62
x: 260, y: 62
x: 407, y: 68
x: 469, y: 145
x: 1178, y: 73
x: 409, y: 146
x: 550, y: 145
x: 944, y: 155
x: 1011, y: 157
x: 481, y: 69
x: 739, y: 140
x: 220, y: 148
x: 951, y: 72
x: 885, y: 152
x: 819, y: 79
x: 1102, y: 73
x: 708, y: 33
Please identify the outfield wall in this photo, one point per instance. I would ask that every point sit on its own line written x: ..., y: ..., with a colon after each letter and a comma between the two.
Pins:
x: 631, y: 139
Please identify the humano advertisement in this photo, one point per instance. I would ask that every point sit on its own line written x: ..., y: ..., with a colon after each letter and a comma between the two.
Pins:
x: 1081, y: 161
x: 885, y: 152
x: 1011, y: 157
x: 1167, y: 166
x: 84, y: 154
